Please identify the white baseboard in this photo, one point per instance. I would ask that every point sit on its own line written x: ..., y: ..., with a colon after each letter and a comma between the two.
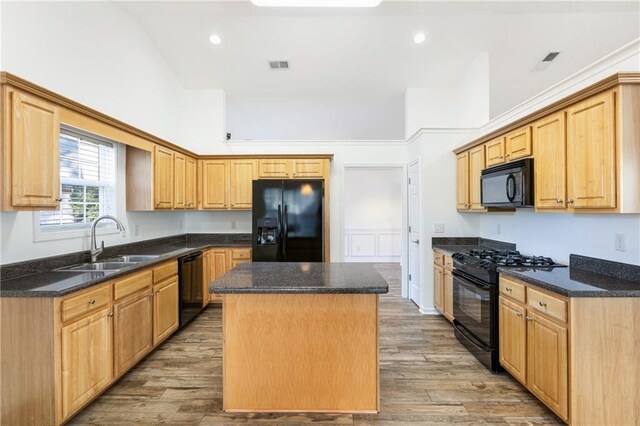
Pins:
x: 429, y: 311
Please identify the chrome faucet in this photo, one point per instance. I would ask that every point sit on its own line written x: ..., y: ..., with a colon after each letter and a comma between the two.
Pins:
x: 95, y: 250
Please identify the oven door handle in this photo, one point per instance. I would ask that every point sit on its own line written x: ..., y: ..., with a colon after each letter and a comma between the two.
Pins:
x: 477, y: 343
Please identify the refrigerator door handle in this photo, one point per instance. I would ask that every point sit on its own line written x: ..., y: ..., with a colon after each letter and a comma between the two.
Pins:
x: 286, y: 231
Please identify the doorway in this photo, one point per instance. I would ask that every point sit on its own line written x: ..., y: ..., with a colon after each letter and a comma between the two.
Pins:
x: 413, y: 231
x: 373, y: 212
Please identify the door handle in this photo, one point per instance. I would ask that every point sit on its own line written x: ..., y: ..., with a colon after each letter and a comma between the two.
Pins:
x: 416, y: 242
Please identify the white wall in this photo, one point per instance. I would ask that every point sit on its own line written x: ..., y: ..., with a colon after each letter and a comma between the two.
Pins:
x: 465, y: 105
x: 373, y: 212
x: 287, y: 116
x: 202, y: 120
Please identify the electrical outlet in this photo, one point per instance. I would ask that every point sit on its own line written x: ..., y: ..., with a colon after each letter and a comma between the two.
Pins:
x: 620, y: 243
x: 136, y: 230
x: 234, y: 224
x: 498, y: 229
x: 438, y: 228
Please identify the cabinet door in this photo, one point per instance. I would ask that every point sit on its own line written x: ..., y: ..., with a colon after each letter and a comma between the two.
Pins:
x: 214, y: 184
x: 35, y: 153
x: 165, y: 309
x: 191, y: 185
x: 236, y: 262
x: 163, y: 178
x: 547, y: 361
x: 476, y: 165
x: 206, y: 277
x: 518, y: 144
x: 591, y: 153
x: 448, y: 295
x: 550, y: 162
x: 220, y: 264
x: 243, y: 172
x: 462, y: 181
x: 513, y: 343
x: 495, y: 152
x: 132, y: 329
x: 179, y: 180
x: 308, y: 168
x: 87, y: 359
x: 274, y: 168
x: 438, y: 288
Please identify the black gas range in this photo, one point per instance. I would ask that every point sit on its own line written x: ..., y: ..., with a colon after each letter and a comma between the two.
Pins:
x: 475, y: 297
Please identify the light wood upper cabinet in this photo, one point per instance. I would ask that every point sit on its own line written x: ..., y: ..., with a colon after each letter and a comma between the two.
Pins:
x: 274, y: 168
x: 191, y: 184
x: 243, y: 172
x: 313, y: 168
x: 462, y: 181
x: 518, y: 144
x: 513, y: 339
x: 214, y: 184
x: 591, y: 153
x: 179, y: 180
x: 165, y: 309
x: 550, y: 162
x: 476, y: 165
x: 547, y: 361
x: 163, y: 177
x: 87, y: 359
x: 495, y: 151
x: 132, y: 329
x: 31, y: 151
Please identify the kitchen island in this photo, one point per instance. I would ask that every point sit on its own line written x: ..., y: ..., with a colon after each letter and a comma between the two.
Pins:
x: 300, y: 337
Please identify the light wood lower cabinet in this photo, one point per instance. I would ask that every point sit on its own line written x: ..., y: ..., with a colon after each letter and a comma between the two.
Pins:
x: 132, y: 329
x: 438, y: 287
x: 218, y: 261
x: 448, y: 294
x: 63, y: 352
x: 165, y: 309
x: 87, y: 359
x: 577, y: 355
x: 443, y: 284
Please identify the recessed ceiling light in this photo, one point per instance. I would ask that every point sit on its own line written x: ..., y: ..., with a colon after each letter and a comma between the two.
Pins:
x: 419, y: 38
x: 317, y: 3
x: 215, y: 39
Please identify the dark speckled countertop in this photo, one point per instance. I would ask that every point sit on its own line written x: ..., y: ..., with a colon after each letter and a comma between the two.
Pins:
x: 301, y: 278
x: 450, y: 245
x: 585, y: 277
x: 46, y: 282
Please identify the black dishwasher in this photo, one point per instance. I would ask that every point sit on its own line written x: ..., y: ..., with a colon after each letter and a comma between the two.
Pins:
x: 191, y: 287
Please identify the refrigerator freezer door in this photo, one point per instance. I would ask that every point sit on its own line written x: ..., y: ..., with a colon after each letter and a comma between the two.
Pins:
x: 267, y: 221
x: 303, y: 221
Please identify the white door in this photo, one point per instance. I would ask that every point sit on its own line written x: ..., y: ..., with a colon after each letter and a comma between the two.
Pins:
x: 414, y: 232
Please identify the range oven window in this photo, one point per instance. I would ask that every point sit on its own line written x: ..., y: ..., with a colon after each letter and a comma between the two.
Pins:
x: 472, y: 307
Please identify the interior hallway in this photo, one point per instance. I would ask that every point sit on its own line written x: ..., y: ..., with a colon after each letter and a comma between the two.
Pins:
x: 426, y: 377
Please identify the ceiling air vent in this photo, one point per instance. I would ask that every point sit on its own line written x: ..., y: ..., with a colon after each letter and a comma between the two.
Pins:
x: 279, y: 65
x: 550, y: 57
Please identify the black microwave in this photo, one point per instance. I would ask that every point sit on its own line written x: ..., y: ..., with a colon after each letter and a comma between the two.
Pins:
x: 508, y: 185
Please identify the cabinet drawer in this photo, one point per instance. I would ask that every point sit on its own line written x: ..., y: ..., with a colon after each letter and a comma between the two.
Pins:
x: 438, y: 258
x: 84, y: 303
x: 448, y: 263
x: 549, y: 305
x: 512, y: 289
x: 165, y: 271
x: 132, y: 283
x: 241, y: 254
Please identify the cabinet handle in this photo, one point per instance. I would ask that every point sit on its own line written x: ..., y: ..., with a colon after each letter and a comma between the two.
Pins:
x: 110, y: 314
x: 508, y: 289
x: 59, y: 199
x: 157, y: 291
x: 529, y: 318
x: 92, y: 301
x: 570, y: 201
x: 507, y: 155
x: 542, y: 304
x: 518, y: 314
x: 501, y: 157
x: 150, y: 294
x: 559, y: 201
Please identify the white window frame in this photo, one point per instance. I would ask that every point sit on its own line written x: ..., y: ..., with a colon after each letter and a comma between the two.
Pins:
x: 83, y: 230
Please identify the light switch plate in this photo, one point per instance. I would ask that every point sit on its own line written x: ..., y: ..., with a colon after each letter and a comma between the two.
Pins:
x: 438, y: 228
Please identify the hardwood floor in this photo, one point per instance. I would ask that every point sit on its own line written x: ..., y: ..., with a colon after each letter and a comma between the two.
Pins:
x: 427, y: 377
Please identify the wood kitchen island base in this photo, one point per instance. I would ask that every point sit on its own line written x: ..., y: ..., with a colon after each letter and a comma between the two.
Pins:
x: 300, y: 353
x: 300, y: 337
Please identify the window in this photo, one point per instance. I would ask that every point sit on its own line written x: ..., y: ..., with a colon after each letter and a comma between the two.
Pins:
x: 87, y: 180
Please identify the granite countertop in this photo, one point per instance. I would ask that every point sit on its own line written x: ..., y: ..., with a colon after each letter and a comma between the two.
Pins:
x: 585, y: 277
x: 51, y: 283
x: 448, y: 250
x: 301, y: 278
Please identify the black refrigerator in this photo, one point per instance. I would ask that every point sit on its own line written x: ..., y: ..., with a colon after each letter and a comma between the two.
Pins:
x: 288, y: 220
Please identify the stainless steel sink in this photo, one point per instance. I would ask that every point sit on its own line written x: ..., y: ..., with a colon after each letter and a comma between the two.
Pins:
x: 135, y: 258
x: 97, y: 266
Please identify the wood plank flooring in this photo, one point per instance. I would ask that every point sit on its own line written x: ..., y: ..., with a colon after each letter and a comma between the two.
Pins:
x: 427, y: 378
